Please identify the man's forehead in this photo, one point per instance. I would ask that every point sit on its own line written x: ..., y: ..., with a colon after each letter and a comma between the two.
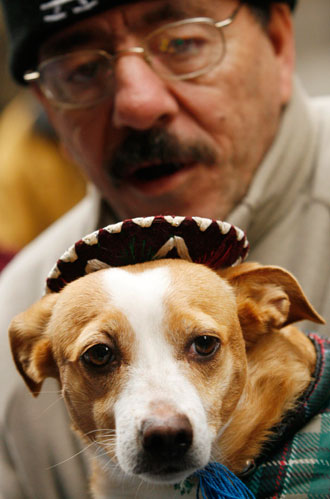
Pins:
x: 133, y: 16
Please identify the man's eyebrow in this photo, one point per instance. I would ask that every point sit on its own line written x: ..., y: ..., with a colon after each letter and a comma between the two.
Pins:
x: 169, y: 11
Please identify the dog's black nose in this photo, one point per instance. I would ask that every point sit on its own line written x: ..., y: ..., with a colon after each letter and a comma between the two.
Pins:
x: 167, y: 439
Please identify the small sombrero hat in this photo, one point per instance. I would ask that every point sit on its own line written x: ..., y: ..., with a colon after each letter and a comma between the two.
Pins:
x: 201, y: 240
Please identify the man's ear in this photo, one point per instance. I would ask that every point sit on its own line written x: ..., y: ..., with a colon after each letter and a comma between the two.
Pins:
x: 30, y: 344
x: 268, y: 298
x: 39, y: 95
x: 281, y: 35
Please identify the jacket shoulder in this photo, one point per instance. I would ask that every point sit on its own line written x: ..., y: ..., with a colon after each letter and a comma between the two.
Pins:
x: 23, y: 281
x: 320, y: 107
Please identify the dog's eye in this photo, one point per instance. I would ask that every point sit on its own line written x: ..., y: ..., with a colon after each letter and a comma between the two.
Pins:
x: 205, y: 346
x: 98, y: 355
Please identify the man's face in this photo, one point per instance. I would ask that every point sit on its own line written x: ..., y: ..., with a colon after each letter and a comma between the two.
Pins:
x: 186, y: 147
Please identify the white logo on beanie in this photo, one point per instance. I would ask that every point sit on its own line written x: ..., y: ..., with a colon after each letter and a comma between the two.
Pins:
x: 54, y: 8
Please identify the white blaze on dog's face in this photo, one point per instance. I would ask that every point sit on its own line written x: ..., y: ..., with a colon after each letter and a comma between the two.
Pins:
x: 155, y: 353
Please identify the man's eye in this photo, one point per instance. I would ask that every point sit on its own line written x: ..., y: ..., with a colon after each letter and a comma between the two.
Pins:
x: 204, y: 346
x: 84, y: 73
x: 180, y: 46
x: 98, y: 356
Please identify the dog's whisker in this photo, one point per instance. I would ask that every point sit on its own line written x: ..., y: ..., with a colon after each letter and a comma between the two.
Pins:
x: 104, y: 451
x: 139, y: 487
x: 100, y: 454
x: 110, y: 436
x: 107, y: 446
x: 106, y: 439
x: 50, y: 406
x: 71, y: 457
x: 105, y: 430
x: 105, y: 463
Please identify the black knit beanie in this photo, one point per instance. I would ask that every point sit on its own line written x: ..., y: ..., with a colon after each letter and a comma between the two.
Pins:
x: 30, y: 22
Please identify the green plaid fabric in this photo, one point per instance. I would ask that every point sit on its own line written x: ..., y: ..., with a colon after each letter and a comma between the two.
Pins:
x: 296, y: 464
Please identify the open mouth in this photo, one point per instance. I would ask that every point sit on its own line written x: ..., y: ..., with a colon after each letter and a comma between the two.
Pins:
x: 156, y: 172
x: 155, y: 161
x: 158, y: 178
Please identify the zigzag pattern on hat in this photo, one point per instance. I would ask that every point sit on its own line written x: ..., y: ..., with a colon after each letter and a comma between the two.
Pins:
x: 201, y: 240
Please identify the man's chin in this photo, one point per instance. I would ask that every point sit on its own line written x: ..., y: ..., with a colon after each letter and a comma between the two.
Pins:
x: 184, y: 193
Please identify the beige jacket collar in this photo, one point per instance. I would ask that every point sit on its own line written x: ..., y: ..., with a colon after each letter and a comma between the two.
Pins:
x: 283, y: 172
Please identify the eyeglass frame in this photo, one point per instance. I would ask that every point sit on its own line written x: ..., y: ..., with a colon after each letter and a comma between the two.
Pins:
x: 35, y: 75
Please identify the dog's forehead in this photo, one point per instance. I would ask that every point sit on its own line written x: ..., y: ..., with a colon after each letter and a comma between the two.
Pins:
x: 162, y: 280
x: 126, y: 287
x: 146, y: 283
x: 149, y: 290
x: 170, y: 295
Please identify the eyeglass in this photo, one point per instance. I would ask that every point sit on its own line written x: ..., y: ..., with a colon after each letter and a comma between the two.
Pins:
x: 180, y: 50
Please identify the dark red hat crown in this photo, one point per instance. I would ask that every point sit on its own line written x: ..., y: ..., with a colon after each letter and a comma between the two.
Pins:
x: 201, y: 240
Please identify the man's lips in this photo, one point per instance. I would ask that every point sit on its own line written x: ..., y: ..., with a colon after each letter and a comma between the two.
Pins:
x: 155, y: 162
x: 156, y: 178
x: 148, y: 173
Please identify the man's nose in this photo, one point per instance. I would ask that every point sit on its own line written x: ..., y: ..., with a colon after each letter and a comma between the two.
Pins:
x: 142, y: 99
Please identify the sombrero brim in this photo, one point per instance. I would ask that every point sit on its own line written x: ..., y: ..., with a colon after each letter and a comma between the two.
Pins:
x: 201, y: 240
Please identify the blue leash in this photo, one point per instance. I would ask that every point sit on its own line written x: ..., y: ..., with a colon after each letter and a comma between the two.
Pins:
x: 215, y: 481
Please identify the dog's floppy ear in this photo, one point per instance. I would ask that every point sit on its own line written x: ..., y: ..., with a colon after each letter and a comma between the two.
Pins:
x: 30, y: 345
x: 268, y: 298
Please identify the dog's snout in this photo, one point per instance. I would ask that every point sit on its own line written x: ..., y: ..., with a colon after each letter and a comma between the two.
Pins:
x: 167, y: 439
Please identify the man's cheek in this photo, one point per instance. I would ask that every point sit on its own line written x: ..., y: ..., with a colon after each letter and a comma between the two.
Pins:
x: 83, y: 140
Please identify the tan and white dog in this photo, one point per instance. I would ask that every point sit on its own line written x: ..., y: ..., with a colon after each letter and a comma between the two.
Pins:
x: 167, y: 365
